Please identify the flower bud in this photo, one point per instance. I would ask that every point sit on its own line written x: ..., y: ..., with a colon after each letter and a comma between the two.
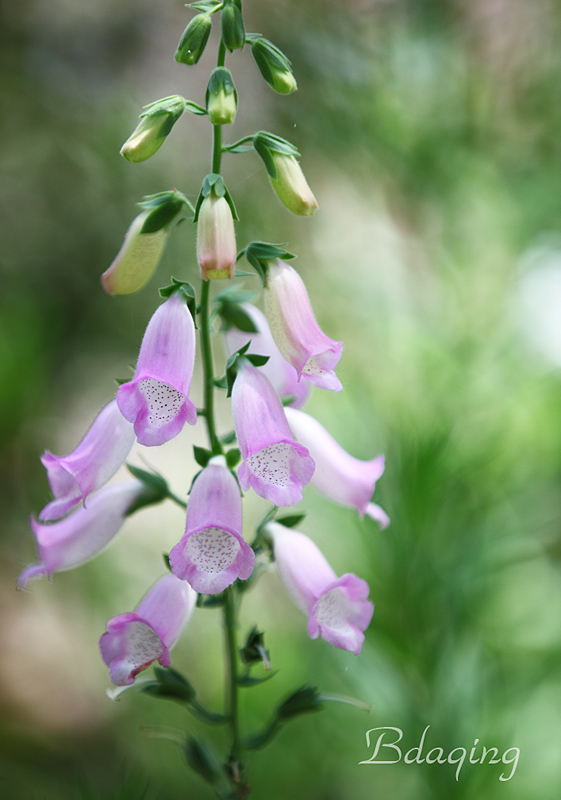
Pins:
x: 216, y: 240
x: 155, y: 124
x: 291, y: 186
x: 193, y: 42
x: 140, y: 253
x: 233, y: 31
x: 274, y: 66
x: 221, y: 97
x: 136, y: 261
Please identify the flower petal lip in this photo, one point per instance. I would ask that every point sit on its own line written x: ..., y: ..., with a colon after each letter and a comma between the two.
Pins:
x: 274, y: 464
x: 212, y: 554
x: 282, y: 375
x: 338, y: 609
x: 345, y: 480
x: 135, y: 639
x: 295, y: 329
x: 90, y: 465
x: 80, y: 536
x: 156, y: 401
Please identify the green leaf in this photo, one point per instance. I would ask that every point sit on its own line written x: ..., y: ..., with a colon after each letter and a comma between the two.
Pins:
x: 257, y: 360
x: 202, y: 456
x: 195, y: 108
x: 203, y: 760
x: 254, y: 650
x: 233, y: 457
x: 206, y: 6
x: 248, y: 681
x: 188, y: 294
x: 292, y: 520
x: 302, y: 701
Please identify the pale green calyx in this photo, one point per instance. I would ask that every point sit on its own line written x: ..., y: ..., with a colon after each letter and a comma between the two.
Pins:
x: 221, y: 97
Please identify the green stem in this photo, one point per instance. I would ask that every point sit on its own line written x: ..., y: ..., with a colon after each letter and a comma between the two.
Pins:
x: 230, y: 625
x: 208, y: 369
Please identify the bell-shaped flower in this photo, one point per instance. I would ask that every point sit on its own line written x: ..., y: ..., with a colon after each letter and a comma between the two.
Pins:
x: 292, y: 187
x: 282, y: 375
x: 83, y: 534
x: 274, y: 465
x: 339, y: 476
x: 156, y: 400
x: 97, y: 458
x: 136, y: 261
x: 135, y: 639
x: 295, y: 330
x: 216, y: 238
x: 213, y: 554
x: 338, y: 609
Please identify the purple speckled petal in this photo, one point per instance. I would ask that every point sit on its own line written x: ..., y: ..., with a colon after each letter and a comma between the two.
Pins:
x: 339, y: 476
x: 295, y: 329
x: 156, y: 401
x: 213, y: 554
x: 95, y: 460
x: 337, y: 608
x: 135, y: 639
x: 342, y: 613
x: 274, y: 465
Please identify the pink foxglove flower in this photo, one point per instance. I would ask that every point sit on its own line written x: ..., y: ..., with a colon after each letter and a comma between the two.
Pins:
x: 274, y: 465
x: 337, y: 608
x: 135, y: 639
x: 295, y: 330
x: 156, y: 401
x: 83, y: 534
x: 282, y: 375
x: 339, y: 476
x: 213, y: 553
x: 97, y: 458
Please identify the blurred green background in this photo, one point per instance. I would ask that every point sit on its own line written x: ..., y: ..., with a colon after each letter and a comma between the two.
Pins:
x: 430, y: 133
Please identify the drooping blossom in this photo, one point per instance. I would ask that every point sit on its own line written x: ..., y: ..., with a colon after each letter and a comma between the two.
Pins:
x: 84, y: 533
x: 97, y: 458
x: 135, y: 639
x: 156, y: 400
x: 337, y: 608
x: 282, y: 375
x: 216, y: 238
x: 313, y: 355
x: 292, y: 187
x: 136, y: 261
x: 213, y: 554
x: 274, y: 465
x: 339, y: 476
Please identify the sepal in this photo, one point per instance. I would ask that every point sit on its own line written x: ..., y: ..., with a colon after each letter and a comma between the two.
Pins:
x: 163, y: 208
x: 260, y: 253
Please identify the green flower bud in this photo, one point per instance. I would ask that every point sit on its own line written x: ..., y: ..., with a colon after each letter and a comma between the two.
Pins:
x: 221, y: 97
x: 291, y: 186
x: 155, y: 124
x: 193, y: 42
x: 233, y: 31
x: 274, y: 66
x: 137, y: 259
